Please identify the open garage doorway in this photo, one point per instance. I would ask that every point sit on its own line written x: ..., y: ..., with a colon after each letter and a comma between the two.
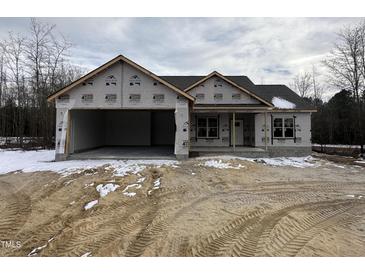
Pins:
x: 122, y: 134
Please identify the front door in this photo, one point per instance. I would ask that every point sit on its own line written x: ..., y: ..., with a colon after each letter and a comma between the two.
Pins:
x: 239, y: 132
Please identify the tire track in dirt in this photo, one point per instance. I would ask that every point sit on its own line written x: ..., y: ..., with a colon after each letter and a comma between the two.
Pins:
x: 253, y: 243
x: 241, y: 237
x: 290, y: 243
x: 107, y: 224
x: 179, y: 246
x: 15, y: 213
x: 106, y: 220
x: 91, y: 234
x: 153, y: 231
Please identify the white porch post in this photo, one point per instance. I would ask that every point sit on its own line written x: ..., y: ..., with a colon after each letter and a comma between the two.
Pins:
x: 265, y: 130
x: 234, y: 131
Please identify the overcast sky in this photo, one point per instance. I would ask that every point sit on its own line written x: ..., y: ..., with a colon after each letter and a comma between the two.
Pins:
x: 268, y: 50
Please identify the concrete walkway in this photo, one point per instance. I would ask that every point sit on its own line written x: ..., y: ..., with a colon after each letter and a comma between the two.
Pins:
x: 135, y: 152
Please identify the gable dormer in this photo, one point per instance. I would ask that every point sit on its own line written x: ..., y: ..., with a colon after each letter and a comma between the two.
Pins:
x: 215, y: 90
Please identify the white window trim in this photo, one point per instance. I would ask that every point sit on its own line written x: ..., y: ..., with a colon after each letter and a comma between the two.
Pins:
x: 283, y: 127
x: 207, y: 127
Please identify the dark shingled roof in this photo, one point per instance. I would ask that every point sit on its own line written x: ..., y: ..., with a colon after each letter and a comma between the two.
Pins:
x: 266, y: 92
x: 182, y: 82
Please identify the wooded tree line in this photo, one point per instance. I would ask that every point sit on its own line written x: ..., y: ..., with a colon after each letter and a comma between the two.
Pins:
x: 340, y: 120
x: 32, y: 66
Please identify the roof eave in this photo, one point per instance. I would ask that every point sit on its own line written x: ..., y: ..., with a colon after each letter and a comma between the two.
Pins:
x: 294, y: 110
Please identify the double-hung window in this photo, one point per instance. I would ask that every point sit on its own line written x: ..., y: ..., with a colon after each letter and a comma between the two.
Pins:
x: 283, y: 128
x: 207, y: 127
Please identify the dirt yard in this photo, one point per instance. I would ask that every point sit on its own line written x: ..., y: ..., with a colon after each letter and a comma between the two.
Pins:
x: 192, y: 209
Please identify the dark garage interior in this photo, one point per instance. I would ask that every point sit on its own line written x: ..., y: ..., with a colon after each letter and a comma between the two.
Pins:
x: 97, y: 134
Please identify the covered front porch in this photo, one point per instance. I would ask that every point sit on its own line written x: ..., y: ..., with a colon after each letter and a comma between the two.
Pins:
x: 229, y: 131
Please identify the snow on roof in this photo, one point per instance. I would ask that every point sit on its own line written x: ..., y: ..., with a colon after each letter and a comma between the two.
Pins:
x: 282, y: 103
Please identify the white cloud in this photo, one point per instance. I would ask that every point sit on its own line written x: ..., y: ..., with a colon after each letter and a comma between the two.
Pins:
x: 269, y: 50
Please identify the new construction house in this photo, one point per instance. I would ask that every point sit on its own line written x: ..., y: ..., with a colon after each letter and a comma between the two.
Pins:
x: 122, y: 110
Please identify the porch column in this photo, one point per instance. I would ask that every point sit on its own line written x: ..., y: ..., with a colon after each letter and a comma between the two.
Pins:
x: 265, y: 130
x: 182, y: 130
x: 234, y: 131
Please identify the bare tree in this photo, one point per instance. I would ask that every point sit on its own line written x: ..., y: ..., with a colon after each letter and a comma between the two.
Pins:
x: 14, y: 51
x: 2, y: 71
x: 31, y: 68
x: 346, y: 71
x: 302, y: 84
x: 362, y: 52
x: 317, y: 88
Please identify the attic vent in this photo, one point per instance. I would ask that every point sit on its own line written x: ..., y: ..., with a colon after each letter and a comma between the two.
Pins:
x: 110, y: 98
x: 158, y: 98
x: 155, y: 83
x: 135, y: 98
x: 110, y: 80
x: 218, y: 96
x: 134, y: 81
x: 64, y: 98
x: 236, y: 96
x: 199, y: 96
x: 218, y: 83
x: 87, y: 98
x: 89, y: 82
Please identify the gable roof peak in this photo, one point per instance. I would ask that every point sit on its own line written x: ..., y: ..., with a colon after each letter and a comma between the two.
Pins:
x: 111, y: 62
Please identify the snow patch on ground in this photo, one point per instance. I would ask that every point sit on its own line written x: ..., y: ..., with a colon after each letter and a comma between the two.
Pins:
x: 341, y: 146
x: 137, y: 185
x: 88, y: 184
x: 129, y: 194
x: 43, y: 160
x: 354, y: 196
x: 220, y: 164
x: 156, y: 185
x: 90, y: 204
x: 282, y: 103
x: 141, y: 180
x: 106, y: 189
x: 216, y: 161
x: 37, y: 249
x: 300, y: 162
x: 87, y: 254
x: 132, y: 186
x: 123, y: 168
